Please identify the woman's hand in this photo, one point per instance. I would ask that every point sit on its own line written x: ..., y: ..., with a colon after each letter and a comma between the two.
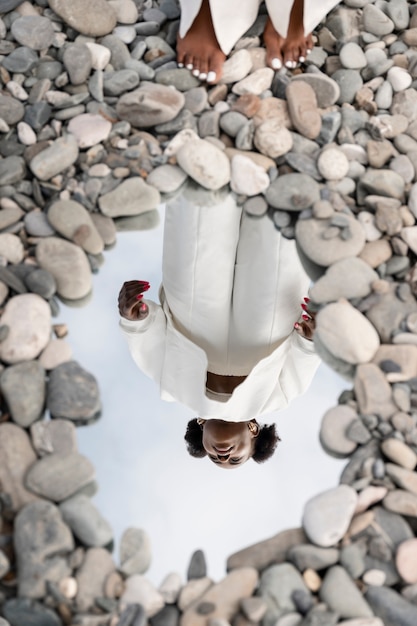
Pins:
x: 307, y: 325
x: 131, y: 306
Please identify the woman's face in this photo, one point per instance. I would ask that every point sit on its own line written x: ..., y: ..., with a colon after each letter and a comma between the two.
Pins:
x: 228, y: 444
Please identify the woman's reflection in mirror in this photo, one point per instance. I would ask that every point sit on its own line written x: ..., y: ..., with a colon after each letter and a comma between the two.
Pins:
x: 228, y: 339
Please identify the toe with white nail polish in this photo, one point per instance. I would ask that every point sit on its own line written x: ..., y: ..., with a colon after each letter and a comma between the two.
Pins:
x: 189, y: 66
x: 202, y: 76
x: 211, y: 77
x: 180, y: 65
x: 276, y: 64
x: 196, y: 73
x: 301, y: 59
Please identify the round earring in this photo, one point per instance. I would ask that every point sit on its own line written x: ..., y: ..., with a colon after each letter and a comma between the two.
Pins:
x: 254, y: 428
x: 200, y: 421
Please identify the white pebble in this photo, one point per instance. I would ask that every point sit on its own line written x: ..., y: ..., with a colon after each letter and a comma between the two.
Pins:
x: 100, y: 55
x: 399, y: 78
x: 17, y: 90
x: 333, y: 164
x: 26, y: 134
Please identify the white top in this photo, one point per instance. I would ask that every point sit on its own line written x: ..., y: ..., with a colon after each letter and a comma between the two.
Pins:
x: 179, y: 367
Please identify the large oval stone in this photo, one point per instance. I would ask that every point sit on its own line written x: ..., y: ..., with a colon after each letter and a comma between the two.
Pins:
x: 94, y: 18
x: 150, y: 105
x: 68, y: 264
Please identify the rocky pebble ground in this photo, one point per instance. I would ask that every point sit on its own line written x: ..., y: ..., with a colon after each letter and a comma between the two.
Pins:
x: 97, y: 127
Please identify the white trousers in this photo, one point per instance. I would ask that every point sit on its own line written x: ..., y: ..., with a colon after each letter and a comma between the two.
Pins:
x: 232, y: 18
x: 233, y: 284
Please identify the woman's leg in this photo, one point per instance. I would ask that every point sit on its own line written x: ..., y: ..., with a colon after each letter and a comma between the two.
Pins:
x: 294, y: 47
x: 200, y: 240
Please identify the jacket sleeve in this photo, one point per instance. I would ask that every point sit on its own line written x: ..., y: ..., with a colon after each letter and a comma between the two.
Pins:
x: 299, y: 367
x: 146, y: 340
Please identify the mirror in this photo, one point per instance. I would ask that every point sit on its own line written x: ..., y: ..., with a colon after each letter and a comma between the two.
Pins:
x: 145, y: 476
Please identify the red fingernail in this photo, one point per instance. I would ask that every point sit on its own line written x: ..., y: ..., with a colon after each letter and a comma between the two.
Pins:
x: 304, y: 307
x: 143, y: 307
x: 139, y: 296
x: 306, y: 299
x: 305, y: 317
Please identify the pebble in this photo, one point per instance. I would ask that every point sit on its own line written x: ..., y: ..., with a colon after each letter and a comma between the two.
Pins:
x: 333, y: 431
x: 66, y: 382
x: 20, y: 610
x: 349, y: 83
x: 236, y: 67
x: 57, y: 477
x: 17, y: 456
x: 170, y: 587
x: 28, y: 318
x: 272, y: 138
x: 28, y: 408
x: 284, y: 192
x: 131, y: 197
x: 247, y: 178
x: 68, y: 264
x: 56, y: 158
x: 399, y: 453
x: 277, y: 587
x: 333, y: 164
x: 327, y: 516
x: 352, y: 57
x: 89, y: 129
x: 348, y: 278
x: 255, y: 83
x: 391, y: 607
x: 139, y: 590
x: 303, y: 108
x: 91, y: 577
x: 326, y: 89
x: 204, y: 163
x: 373, y: 392
x: 167, y: 178
x: 341, y: 595
x: 57, y: 436
x: 135, y: 552
x: 85, y: 521
x: 96, y: 20
x: 399, y: 78
x: 150, y: 105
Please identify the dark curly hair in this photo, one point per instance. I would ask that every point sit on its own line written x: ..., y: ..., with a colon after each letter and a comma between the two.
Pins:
x: 265, y: 442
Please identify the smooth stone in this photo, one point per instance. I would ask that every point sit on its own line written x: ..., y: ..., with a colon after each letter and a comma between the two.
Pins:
x: 326, y: 89
x: 131, y: 197
x: 56, y: 158
x: 95, y: 20
x: 86, y: 522
x: 256, y: 206
x: 236, y: 67
x: 247, y: 178
x: 58, y: 436
x: 232, y: 122
x: 120, y: 81
x: 150, y: 105
x: 33, y: 31
x: 272, y: 138
x: 333, y: 431
x: 28, y: 407
x: 391, y: 607
x: 78, y: 63
x: 68, y: 265
x: 383, y: 183
x: 89, y: 129
x: 341, y: 595
x: 403, y: 359
x: 74, y: 222
x: 399, y: 78
x: 332, y: 164
x: 26, y: 134
x: 360, y: 340
x: 349, y: 82
x: 105, y: 227
x: 398, y: 452
x: 91, y: 577
x: 12, y: 170
x: 402, y: 502
x: 41, y: 555
x: 73, y: 394
x: 100, y: 55
x: 17, y: 456
x: 197, y: 567
x: 181, y: 79
x: 402, y: 477
x: 222, y: 598
x: 406, y: 561
x: 193, y: 590
x: 28, y: 318
x: 167, y: 178
x: 352, y: 57
x: 170, y: 587
x: 41, y: 282
x: 307, y: 556
x: 348, y: 278
x: 376, y: 21
x: 138, y: 590
x: 10, y: 215
x: 303, y: 108
x: 126, y: 11
x: 135, y: 552
x: 267, y: 552
x: 23, y: 611
x: 293, y: 192
x: 373, y: 392
x: 204, y: 163
x: 310, y: 233
x: 255, y: 83
x: 57, y: 477
x: 277, y: 586
x: 11, y: 248
x: 327, y: 516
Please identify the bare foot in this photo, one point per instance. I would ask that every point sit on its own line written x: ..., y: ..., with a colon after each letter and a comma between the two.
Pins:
x: 292, y: 49
x: 199, y: 50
